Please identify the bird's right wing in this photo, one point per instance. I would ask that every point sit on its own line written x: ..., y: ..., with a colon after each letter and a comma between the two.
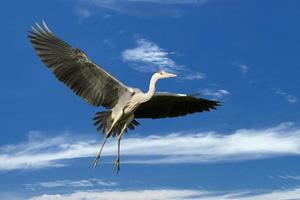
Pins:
x: 164, y: 104
x: 73, y: 67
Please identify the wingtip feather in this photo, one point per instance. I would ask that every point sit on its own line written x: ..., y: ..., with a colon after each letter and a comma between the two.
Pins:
x: 46, y: 27
x: 34, y: 29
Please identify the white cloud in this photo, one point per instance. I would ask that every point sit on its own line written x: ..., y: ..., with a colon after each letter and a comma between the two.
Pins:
x: 149, y: 57
x: 172, y: 194
x: 146, y: 7
x: 289, y: 194
x: 124, y: 195
x: 215, y: 93
x: 243, y: 144
x: 150, y: 54
x: 69, y: 183
x: 290, y: 98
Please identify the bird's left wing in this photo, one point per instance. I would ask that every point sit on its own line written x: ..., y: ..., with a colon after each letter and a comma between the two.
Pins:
x: 163, y: 105
x: 73, y: 67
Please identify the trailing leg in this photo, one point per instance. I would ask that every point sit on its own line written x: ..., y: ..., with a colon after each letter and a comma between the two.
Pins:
x: 103, y: 119
x: 95, y: 162
x: 117, y: 161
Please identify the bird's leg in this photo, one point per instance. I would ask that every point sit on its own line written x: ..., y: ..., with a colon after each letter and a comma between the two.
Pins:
x: 107, y: 134
x: 95, y: 162
x: 117, y: 161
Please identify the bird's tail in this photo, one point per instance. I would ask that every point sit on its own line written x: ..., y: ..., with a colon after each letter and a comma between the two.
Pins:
x: 103, y: 122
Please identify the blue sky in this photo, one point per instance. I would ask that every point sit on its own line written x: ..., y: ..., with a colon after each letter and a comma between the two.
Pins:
x: 244, y: 53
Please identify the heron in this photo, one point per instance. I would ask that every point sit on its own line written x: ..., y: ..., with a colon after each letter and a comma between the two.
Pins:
x: 123, y: 104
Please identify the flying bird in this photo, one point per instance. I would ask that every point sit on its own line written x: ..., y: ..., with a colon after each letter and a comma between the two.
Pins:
x: 99, y: 88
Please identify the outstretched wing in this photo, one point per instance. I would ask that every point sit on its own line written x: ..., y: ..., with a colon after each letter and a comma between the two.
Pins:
x: 73, y: 67
x: 163, y: 105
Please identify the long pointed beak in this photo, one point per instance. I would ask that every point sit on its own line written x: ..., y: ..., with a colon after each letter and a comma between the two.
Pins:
x: 171, y: 75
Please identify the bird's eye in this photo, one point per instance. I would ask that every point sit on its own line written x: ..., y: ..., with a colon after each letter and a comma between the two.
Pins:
x: 160, y: 73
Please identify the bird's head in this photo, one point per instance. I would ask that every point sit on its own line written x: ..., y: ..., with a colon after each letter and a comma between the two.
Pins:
x: 163, y: 74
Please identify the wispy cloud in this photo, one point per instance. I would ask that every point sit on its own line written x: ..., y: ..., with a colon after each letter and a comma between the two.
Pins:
x: 82, y: 13
x: 243, y: 67
x: 290, y: 98
x: 149, y: 57
x: 146, y: 7
x: 287, y: 177
x: 173, y: 194
x: 215, y: 93
x: 190, y: 75
x: 243, y: 144
x: 70, y: 184
x: 167, y: 194
x: 170, y: 1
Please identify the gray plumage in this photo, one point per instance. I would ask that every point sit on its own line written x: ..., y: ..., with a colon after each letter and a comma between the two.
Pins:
x: 99, y: 88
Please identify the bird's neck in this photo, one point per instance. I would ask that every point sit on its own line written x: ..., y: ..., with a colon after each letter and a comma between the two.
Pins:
x: 151, y: 90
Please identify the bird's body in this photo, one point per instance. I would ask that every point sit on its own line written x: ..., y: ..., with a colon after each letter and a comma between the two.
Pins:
x: 97, y: 87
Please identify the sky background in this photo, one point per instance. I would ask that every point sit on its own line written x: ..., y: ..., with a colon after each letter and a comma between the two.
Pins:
x: 243, y: 53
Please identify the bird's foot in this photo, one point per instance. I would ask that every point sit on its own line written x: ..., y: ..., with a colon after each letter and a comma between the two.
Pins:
x: 117, y: 165
x: 95, y: 162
